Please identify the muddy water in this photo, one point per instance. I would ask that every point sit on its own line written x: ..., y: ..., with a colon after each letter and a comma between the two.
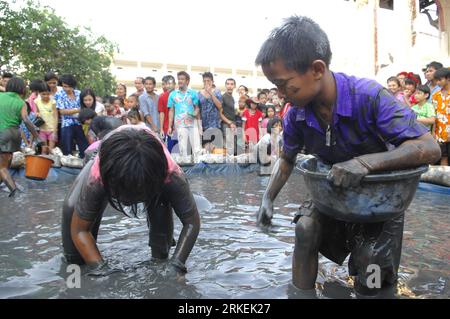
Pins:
x: 231, y: 259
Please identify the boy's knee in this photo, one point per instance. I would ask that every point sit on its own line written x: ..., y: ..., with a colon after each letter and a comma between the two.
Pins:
x: 307, y: 232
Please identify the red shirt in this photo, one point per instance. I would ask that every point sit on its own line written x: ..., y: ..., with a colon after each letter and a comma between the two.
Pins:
x: 252, y: 122
x: 162, y: 108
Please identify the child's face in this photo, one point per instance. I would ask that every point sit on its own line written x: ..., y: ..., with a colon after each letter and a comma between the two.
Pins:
x: 88, y: 121
x: 109, y: 107
x: 277, y: 128
x: 300, y: 89
x: 134, y: 121
x: 442, y: 82
x: 45, y: 96
x: 393, y: 87
x: 253, y: 106
x: 117, y: 104
x: 241, y: 104
x: 270, y: 113
x: 420, y: 96
x: 409, y: 89
x: 88, y: 101
x: 132, y: 102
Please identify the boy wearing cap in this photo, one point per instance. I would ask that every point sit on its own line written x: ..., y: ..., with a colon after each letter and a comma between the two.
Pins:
x: 346, y: 122
x: 429, y: 71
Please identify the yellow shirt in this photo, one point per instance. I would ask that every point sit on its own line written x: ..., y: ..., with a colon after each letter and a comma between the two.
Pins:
x: 46, y: 111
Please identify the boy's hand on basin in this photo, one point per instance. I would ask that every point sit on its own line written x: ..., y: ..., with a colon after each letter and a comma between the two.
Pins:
x: 348, y: 174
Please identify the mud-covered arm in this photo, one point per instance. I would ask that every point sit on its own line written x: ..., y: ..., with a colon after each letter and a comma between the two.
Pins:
x: 280, y: 174
x: 410, y: 154
x: 90, y: 201
x: 183, y: 203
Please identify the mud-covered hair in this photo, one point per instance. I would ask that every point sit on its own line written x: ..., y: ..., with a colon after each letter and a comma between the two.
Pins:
x: 133, y: 168
x: 298, y: 43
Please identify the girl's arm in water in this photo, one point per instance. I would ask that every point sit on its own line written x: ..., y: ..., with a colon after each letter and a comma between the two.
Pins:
x: 183, y: 203
x: 84, y: 240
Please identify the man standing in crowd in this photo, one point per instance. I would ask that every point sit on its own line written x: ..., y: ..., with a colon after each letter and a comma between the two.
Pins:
x: 183, y: 110
x: 148, y: 102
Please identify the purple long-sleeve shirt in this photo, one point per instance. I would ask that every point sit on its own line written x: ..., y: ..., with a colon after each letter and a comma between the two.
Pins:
x: 366, y: 118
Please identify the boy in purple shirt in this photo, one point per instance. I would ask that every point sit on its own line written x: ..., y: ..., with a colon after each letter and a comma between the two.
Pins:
x: 347, y: 122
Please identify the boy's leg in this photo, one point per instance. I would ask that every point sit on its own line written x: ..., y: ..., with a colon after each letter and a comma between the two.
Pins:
x: 375, y: 258
x: 183, y: 136
x: 305, y: 261
x: 160, y: 223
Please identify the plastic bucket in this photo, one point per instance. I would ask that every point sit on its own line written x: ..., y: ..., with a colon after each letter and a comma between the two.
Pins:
x: 37, y: 167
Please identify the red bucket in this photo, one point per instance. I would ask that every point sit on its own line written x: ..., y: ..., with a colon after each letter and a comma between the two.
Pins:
x: 37, y: 167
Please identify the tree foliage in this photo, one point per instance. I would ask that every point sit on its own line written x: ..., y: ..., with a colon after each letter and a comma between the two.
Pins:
x: 34, y: 40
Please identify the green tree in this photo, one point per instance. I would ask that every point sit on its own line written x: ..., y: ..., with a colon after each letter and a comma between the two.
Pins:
x: 34, y: 40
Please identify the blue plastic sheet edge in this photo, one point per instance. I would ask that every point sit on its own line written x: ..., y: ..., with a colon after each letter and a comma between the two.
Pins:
x: 229, y: 169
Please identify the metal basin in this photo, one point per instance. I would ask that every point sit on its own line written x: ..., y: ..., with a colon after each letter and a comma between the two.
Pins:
x: 380, y: 196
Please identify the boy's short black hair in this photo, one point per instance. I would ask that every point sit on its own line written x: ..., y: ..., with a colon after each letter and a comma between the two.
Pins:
x: 150, y: 78
x: 424, y: 88
x: 185, y: 74
x: 298, y: 43
x: 442, y: 73
x: 133, y: 168
x: 435, y: 65
x: 16, y: 85
x: 168, y: 78
x: 86, y: 114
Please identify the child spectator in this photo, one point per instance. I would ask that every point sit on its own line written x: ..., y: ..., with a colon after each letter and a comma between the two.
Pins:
x: 395, y: 88
x: 270, y: 143
x: 409, y: 91
x: 134, y: 116
x: 424, y: 110
x: 34, y: 86
x: 46, y: 109
x: 252, y: 118
x: 270, y: 114
x: 441, y: 101
x: 115, y: 107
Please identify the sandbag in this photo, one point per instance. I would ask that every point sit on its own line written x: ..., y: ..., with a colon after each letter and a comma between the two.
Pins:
x: 18, y: 160
x: 72, y: 161
x: 439, y: 175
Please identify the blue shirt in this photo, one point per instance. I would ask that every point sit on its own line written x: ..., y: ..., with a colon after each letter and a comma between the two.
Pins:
x: 64, y: 103
x: 149, y: 106
x: 184, y: 104
x: 210, y: 113
x: 366, y: 117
